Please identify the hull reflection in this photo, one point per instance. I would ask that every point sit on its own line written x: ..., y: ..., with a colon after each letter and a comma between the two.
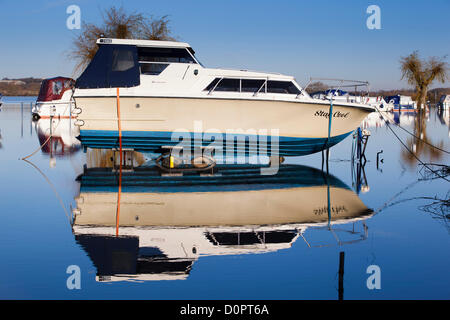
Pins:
x: 167, y: 222
x: 63, y: 133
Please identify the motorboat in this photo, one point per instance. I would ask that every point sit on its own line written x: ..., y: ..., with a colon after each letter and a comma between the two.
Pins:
x: 157, y: 93
x: 444, y: 101
x: 166, y: 223
x: 54, y: 99
x: 344, y: 96
x: 399, y: 103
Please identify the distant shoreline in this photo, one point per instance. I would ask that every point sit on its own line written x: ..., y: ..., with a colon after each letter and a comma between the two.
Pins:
x: 29, y: 87
x: 23, y: 87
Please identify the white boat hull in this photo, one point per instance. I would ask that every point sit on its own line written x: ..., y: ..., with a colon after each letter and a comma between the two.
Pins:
x: 150, y: 122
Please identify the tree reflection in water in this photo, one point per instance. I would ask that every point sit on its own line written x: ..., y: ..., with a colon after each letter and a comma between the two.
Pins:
x: 420, y: 144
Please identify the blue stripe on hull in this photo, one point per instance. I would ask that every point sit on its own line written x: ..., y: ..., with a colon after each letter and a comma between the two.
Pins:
x: 231, y: 178
x: 151, y: 141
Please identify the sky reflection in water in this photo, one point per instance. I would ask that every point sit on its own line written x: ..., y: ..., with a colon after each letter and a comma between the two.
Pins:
x: 183, y: 243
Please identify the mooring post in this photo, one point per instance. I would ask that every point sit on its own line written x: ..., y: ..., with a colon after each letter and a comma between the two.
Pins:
x: 51, y: 125
x: 341, y: 275
x: 70, y: 119
x: 51, y: 133
x: 328, y: 195
x: 322, y: 160
x: 31, y: 121
x: 358, y: 145
x: 21, y: 122
x: 378, y: 158
x: 358, y: 177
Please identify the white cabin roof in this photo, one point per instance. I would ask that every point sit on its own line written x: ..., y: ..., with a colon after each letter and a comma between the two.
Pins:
x: 242, y: 74
x: 144, y: 43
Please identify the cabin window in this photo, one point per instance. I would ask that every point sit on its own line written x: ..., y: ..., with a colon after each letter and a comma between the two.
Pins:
x: 232, y: 85
x: 282, y: 87
x: 253, y: 85
x: 153, y: 69
x: 57, y: 87
x: 122, y: 60
x: 148, y: 54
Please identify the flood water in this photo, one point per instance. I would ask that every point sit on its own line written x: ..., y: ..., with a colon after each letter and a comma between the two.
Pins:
x: 237, y: 235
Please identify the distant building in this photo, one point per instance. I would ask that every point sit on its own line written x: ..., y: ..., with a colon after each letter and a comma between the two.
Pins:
x: 445, y: 101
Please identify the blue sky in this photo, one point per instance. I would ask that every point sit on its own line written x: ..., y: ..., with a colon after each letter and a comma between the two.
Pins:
x: 301, y: 38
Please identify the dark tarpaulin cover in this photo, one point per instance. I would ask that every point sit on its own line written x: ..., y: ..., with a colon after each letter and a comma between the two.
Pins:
x: 54, y: 88
x: 113, y: 66
x: 395, y: 99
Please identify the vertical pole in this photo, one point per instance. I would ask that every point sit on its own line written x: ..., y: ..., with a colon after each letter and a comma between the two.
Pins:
x: 328, y: 194
x: 21, y: 122
x: 120, y: 164
x: 358, y: 177
x: 51, y: 140
x: 51, y: 125
x: 341, y: 275
x: 70, y: 119
x: 31, y: 119
x: 328, y: 203
x: 330, y: 116
x: 323, y: 159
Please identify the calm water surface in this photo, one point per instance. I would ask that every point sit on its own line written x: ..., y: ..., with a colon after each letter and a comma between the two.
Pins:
x: 234, y: 236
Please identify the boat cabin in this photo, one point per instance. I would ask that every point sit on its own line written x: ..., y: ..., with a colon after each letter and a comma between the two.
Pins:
x: 127, y: 63
x: 54, y: 88
x: 120, y: 62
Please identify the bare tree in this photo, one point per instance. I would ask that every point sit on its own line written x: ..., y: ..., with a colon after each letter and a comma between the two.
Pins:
x: 120, y: 24
x: 156, y: 29
x: 421, y: 74
x: 317, y: 86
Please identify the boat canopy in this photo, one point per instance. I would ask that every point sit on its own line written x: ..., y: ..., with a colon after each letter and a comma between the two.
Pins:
x: 334, y: 92
x: 113, y: 66
x: 54, y: 88
x: 392, y: 99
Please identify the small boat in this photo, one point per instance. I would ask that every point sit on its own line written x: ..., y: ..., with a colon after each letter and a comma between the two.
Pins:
x: 399, y: 103
x: 54, y: 99
x: 1, y: 96
x: 444, y: 101
x: 345, y: 96
x: 164, y: 92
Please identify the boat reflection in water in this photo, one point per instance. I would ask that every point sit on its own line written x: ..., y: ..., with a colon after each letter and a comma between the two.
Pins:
x: 165, y: 223
x: 63, y: 139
